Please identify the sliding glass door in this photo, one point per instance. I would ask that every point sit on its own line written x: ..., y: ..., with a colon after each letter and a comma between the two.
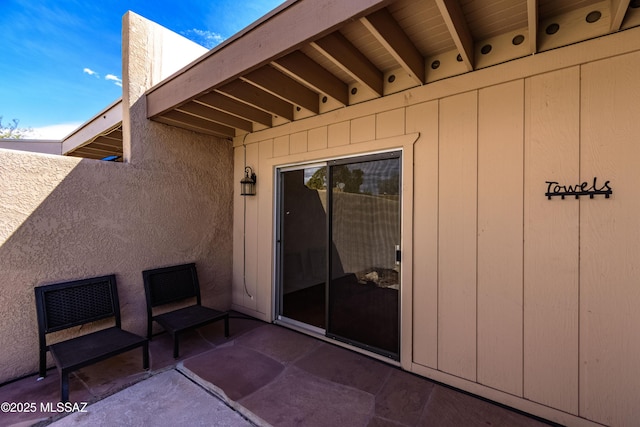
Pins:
x: 303, y: 245
x: 364, y: 286
x: 338, y: 237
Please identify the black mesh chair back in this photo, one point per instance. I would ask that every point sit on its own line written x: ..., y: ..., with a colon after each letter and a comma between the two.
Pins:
x: 64, y: 305
x: 160, y: 284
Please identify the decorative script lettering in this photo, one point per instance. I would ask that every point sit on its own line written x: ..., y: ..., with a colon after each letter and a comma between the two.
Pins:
x: 585, y: 189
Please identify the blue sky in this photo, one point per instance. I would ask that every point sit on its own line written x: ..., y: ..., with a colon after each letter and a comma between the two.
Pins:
x: 61, y: 59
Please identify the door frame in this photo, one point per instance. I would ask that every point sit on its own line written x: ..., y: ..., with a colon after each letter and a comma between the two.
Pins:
x: 277, y: 293
x: 264, y: 257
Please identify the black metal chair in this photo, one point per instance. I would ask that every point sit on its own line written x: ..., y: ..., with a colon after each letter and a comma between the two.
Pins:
x: 68, y: 304
x: 176, y: 284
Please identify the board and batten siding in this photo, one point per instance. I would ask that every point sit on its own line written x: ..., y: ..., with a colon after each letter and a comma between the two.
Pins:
x: 551, y: 239
x: 535, y: 296
x: 457, y: 231
x: 610, y: 242
x: 531, y: 302
x: 500, y: 234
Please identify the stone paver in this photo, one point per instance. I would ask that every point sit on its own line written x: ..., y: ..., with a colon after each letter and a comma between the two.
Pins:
x: 298, y: 398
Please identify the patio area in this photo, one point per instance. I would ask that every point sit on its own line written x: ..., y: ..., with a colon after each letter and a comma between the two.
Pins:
x: 262, y: 374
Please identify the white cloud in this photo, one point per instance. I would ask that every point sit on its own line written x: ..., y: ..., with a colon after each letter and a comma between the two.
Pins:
x: 114, y: 79
x: 205, y: 38
x: 110, y: 77
x: 55, y: 132
x: 90, y: 72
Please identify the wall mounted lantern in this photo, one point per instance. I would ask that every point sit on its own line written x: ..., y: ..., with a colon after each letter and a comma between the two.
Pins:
x: 248, y: 183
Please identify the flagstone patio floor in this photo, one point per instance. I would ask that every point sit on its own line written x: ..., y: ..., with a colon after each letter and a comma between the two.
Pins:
x: 263, y: 374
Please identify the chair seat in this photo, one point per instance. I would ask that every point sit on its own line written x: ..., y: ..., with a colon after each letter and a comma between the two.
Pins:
x: 87, y: 349
x: 188, y: 317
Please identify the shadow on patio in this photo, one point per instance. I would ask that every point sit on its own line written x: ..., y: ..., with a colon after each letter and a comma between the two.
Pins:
x: 262, y: 374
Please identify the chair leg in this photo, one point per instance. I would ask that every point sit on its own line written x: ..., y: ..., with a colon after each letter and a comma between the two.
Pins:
x: 145, y: 355
x: 64, y: 386
x: 175, y: 346
x: 42, y: 370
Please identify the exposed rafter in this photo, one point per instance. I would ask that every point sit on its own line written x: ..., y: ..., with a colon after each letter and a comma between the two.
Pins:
x: 224, y: 103
x: 283, y: 86
x: 285, y: 29
x: 303, y: 68
x: 618, y: 11
x: 208, y: 113
x: 343, y: 54
x: 387, y: 31
x: 197, y: 124
x: 532, y: 22
x: 311, y: 57
x: 253, y: 95
x: 108, y: 144
x: 105, y: 130
x: 457, y: 25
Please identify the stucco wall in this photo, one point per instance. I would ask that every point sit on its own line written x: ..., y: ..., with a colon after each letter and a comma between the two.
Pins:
x: 527, y: 301
x: 65, y: 218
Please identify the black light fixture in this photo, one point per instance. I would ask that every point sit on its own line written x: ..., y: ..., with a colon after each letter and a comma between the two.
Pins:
x: 248, y: 183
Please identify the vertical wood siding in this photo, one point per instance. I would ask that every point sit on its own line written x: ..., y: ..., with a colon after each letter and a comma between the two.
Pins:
x: 534, y: 301
x: 500, y: 198
x: 610, y: 243
x: 457, y: 202
x: 551, y: 240
x: 424, y: 118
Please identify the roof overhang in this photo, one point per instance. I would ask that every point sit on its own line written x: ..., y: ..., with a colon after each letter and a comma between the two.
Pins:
x: 309, y: 57
x: 98, y: 138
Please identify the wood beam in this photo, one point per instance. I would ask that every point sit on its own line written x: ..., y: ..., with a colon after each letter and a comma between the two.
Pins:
x: 99, y: 143
x: 224, y: 103
x: 104, y: 145
x: 99, y: 152
x: 217, y: 116
x: 457, y: 26
x: 388, y: 32
x: 283, y: 86
x: 87, y: 154
x: 283, y: 31
x: 253, y: 95
x: 532, y: 18
x: 301, y: 67
x: 182, y: 125
x: 341, y: 52
x: 187, y: 121
x: 618, y: 11
x: 116, y: 133
x: 112, y: 137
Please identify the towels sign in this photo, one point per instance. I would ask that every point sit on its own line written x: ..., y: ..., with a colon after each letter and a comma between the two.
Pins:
x: 555, y: 189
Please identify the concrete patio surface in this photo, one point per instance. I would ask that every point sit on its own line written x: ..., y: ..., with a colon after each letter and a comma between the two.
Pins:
x: 262, y: 375
x: 166, y: 399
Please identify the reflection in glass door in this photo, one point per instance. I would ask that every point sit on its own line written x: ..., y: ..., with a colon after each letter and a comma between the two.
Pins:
x: 365, y: 233
x: 303, y: 245
x: 338, y: 234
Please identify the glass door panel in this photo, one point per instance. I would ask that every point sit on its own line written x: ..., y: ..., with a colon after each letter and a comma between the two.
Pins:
x: 364, y: 229
x: 303, y: 245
